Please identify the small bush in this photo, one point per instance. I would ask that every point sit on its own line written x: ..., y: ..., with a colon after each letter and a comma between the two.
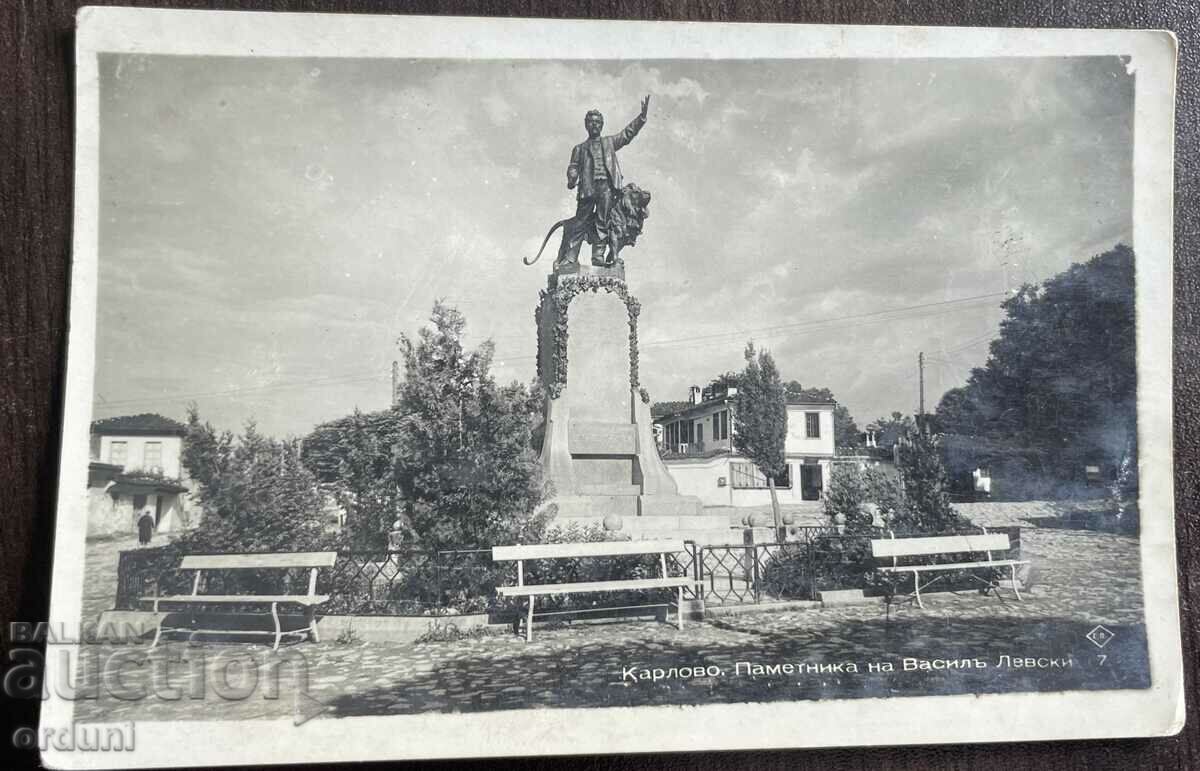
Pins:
x: 443, y: 631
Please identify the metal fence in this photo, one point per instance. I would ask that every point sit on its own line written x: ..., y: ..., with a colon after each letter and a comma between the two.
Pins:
x: 414, y: 582
x: 394, y: 583
x: 814, y: 559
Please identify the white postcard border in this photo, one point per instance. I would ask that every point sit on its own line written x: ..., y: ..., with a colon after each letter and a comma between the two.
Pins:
x: 1156, y: 711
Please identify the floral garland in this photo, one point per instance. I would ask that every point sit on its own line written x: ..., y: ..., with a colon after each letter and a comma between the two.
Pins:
x: 555, y: 301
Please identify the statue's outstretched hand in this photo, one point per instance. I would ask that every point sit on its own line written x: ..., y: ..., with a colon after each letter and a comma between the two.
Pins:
x: 645, y: 106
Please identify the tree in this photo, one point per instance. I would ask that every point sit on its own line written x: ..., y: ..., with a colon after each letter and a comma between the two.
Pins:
x: 256, y: 493
x: 1059, y: 385
x: 354, y: 457
x: 464, y: 459
x: 926, y: 504
x: 760, y: 420
x: 846, y: 497
x: 721, y: 383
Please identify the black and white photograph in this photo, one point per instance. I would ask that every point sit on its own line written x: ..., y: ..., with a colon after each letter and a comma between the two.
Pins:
x: 631, y: 390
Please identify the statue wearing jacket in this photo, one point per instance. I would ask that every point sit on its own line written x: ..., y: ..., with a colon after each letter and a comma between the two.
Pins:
x: 596, y: 173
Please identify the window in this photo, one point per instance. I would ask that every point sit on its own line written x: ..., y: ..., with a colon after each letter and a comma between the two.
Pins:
x: 117, y: 452
x: 153, y: 455
x: 812, y: 425
x: 746, y: 476
x: 721, y: 425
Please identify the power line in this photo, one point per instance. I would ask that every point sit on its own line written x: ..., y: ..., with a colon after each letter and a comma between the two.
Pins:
x: 780, y: 327
x: 805, y: 327
x: 817, y: 325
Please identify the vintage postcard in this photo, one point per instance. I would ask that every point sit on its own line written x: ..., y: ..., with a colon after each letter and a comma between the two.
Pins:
x: 447, y: 387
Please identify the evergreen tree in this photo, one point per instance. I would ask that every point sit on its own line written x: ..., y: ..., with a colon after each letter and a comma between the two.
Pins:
x: 847, y: 496
x: 354, y: 457
x: 255, y: 492
x: 926, y: 504
x: 760, y: 421
x: 464, y: 460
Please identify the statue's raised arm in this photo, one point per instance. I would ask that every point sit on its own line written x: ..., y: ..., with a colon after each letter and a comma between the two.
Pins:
x: 635, y: 125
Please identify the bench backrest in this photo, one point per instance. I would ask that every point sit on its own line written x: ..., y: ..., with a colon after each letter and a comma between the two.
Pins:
x: 593, y: 549
x: 890, y: 548
x: 312, y: 560
x: 302, y: 559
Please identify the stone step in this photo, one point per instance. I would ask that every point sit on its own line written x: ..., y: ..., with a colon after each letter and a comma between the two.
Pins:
x: 596, y: 507
x: 675, y: 523
x: 610, y: 490
x: 706, y: 536
x: 670, y: 506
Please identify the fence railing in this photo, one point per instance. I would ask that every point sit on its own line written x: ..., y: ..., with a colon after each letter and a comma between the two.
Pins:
x: 414, y: 582
x: 816, y: 559
x: 400, y: 583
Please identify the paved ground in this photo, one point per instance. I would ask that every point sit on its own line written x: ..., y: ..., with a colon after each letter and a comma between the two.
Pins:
x: 1082, y: 579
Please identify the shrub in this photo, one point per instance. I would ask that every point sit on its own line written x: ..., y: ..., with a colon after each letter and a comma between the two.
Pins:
x: 926, y: 506
x: 846, y: 497
x: 829, y: 562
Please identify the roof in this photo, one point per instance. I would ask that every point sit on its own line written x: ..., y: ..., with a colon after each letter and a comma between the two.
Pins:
x: 144, y: 423
x: 666, y: 410
x: 137, y: 485
x: 679, y: 409
x: 797, y: 401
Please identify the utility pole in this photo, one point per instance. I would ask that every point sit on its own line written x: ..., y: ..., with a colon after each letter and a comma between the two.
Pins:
x: 921, y: 381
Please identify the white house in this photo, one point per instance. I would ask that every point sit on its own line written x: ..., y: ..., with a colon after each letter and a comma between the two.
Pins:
x: 135, y: 468
x: 698, y: 450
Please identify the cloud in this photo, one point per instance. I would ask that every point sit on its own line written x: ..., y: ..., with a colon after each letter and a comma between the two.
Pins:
x: 294, y: 224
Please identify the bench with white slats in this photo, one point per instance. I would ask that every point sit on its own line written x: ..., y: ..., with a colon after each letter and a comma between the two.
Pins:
x: 931, y: 546
x: 550, y: 551
x: 200, y: 563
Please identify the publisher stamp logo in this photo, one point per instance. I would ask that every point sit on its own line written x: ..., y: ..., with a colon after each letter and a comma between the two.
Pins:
x: 1100, y: 635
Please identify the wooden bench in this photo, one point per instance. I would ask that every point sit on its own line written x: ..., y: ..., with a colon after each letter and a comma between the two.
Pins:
x: 930, y: 546
x: 551, y: 551
x: 313, y: 561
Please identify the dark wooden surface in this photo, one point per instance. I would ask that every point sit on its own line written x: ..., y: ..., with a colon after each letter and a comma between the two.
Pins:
x: 35, y: 228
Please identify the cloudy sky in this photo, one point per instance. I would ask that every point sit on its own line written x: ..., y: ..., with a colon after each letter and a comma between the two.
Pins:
x: 269, y: 227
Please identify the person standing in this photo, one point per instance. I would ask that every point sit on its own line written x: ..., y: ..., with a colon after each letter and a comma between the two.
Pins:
x: 145, y: 527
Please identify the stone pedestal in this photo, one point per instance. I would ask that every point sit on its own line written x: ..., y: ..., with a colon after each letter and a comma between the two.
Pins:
x: 599, y: 450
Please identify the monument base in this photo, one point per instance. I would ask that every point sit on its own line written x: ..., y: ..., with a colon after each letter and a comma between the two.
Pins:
x: 643, y: 517
x: 598, y: 450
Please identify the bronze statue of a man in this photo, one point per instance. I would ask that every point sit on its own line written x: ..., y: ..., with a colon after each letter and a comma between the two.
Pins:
x: 595, y: 172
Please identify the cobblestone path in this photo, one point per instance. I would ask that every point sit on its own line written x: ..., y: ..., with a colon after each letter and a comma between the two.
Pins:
x: 1081, y: 579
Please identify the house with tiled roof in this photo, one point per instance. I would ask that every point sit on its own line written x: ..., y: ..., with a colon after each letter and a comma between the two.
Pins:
x: 695, y: 441
x: 136, y: 470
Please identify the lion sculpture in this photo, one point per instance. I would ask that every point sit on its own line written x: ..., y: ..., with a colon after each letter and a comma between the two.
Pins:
x: 625, y: 220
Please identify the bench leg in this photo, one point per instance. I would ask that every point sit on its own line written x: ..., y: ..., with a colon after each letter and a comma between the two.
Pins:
x: 275, y: 618
x: 158, y: 627
x: 679, y: 609
x: 1016, y: 588
x: 311, y: 617
x: 529, y: 621
x: 917, y: 588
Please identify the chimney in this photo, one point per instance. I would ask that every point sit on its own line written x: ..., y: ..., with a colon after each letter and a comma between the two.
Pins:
x: 695, y: 394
